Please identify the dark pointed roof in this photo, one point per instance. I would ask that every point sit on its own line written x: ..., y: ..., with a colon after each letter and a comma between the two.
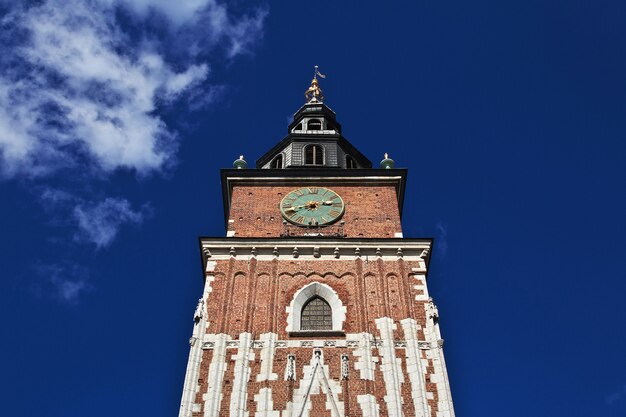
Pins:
x: 314, y: 124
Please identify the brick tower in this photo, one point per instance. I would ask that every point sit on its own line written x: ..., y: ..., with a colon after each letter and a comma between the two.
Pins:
x: 315, y: 304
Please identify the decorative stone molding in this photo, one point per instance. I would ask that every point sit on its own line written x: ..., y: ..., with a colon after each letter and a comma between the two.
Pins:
x: 290, y: 371
x: 360, y: 341
x: 345, y: 367
x: 317, y: 250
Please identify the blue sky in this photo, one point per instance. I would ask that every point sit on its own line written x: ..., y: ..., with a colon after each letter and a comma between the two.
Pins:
x: 116, y: 115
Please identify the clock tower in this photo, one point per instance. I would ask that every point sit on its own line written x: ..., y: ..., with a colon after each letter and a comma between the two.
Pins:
x: 314, y: 303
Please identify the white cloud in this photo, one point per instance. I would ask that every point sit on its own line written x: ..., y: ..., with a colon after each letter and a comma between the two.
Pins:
x: 64, y: 282
x: 442, y: 240
x: 96, y: 221
x: 99, y: 223
x: 74, y: 95
x: 76, y: 89
x: 179, y: 11
x: 616, y: 396
x: 85, y: 95
x: 68, y: 290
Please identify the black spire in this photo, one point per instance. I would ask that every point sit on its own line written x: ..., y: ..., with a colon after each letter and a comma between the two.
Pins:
x: 314, y: 139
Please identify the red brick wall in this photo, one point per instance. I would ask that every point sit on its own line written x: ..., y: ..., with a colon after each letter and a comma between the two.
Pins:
x: 371, y: 211
x: 252, y: 296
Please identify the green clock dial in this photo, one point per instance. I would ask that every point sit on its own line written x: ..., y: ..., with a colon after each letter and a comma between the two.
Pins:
x: 312, y: 206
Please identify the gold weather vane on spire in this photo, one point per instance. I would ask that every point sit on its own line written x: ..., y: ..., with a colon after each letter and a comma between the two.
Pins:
x: 314, y: 93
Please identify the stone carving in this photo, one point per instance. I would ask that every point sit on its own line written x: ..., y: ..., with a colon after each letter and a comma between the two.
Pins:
x: 280, y: 344
x: 232, y: 343
x: 316, y: 252
x: 330, y: 343
x: 291, y: 368
x: 208, y: 345
x: 275, y: 251
x: 258, y: 345
x: 352, y: 343
x: 306, y: 343
x: 399, y: 343
x: 232, y: 251
x: 431, y: 308
x: 295, y: 252
x: 345, y: 367
x: 198, y: 314
x: 336, y: 253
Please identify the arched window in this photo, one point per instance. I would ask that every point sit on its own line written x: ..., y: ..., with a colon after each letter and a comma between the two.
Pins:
x: 307, y: 294
x: 316, y: 315
x: 277, y: 163
x: 350, y: 162
x: 314, y: 124
x: 314, y: 155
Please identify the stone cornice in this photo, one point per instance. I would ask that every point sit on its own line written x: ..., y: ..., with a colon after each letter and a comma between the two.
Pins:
x: 312, y: 249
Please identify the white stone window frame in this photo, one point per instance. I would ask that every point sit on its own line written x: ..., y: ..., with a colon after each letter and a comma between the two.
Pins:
x: 303, y: 295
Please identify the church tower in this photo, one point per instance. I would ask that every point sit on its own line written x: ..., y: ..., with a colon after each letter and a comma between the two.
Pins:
x: 314, y: 303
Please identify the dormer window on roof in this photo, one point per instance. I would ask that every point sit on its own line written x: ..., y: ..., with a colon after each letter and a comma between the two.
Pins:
x: 277, y: 163
x: 314, y: 155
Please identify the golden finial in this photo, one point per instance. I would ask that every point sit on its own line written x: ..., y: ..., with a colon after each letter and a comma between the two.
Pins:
x: 314, y: 93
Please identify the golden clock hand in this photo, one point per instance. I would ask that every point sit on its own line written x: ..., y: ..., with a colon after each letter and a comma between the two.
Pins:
x: 293, y: 208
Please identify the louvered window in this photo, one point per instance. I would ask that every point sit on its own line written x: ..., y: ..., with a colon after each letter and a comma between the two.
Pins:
x: 314, y: 124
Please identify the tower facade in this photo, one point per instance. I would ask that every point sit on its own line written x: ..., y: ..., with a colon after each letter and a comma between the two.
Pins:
x: 314, y: 304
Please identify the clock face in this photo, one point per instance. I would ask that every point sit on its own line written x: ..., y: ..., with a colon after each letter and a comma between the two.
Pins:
x: 312, y: 206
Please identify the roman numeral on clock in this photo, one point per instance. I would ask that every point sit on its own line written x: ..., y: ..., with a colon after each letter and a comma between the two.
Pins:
x: 334, y: 213
x: 313, y: 190
x: 299, y: 219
